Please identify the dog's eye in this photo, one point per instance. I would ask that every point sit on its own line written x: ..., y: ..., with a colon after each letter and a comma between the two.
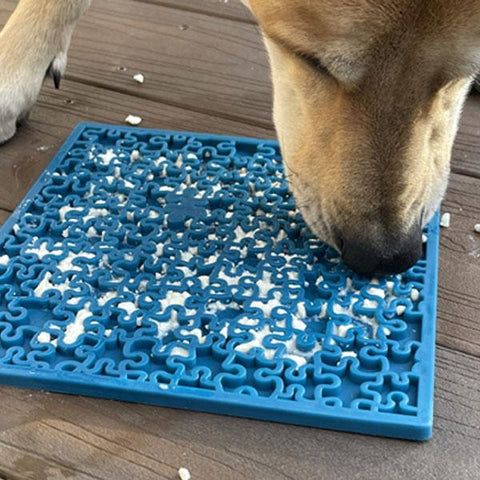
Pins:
x: 312, y: 60
x: 315, y: 63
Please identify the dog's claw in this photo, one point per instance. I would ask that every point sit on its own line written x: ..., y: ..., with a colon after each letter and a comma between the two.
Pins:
x: 55, y: 73
x: 57, y: 77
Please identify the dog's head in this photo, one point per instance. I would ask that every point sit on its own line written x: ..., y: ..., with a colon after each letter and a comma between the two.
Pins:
x: 367, y: 97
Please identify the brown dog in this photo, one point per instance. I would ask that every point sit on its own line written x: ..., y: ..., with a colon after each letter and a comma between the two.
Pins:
x: 368, y: 95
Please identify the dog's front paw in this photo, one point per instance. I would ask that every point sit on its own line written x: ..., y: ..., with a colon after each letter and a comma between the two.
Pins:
x: 21, y: 78
x: 20, y: 84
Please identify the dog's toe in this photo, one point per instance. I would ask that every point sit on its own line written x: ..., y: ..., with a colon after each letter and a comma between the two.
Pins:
x: 7, y: 130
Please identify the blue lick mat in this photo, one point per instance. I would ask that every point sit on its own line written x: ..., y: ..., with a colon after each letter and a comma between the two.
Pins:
x: 173, y: 269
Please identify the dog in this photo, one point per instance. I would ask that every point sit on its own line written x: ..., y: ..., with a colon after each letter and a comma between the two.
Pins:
x: 367, y: 100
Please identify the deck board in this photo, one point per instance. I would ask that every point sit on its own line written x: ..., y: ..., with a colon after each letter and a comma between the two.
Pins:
x: 215, y: 65
x: 4, y: 214
x: 459, y: 275
x: 231, y: 9
x: 88, y: 438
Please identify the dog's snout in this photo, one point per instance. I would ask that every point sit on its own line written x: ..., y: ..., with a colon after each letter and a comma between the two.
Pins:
x: 384, y: 254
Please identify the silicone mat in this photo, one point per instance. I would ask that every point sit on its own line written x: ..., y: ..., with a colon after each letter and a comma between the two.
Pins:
x: 173, y: 268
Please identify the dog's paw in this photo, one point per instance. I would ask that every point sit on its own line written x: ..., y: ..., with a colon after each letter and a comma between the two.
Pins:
x: 33, y: 43
x: 20, y: 83
x: 19, y: 88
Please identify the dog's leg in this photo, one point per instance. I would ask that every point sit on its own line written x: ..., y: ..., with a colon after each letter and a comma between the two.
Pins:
x: 34, y: 42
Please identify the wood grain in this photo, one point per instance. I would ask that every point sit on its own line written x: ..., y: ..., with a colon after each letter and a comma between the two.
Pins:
x: 231, y: 9
x: 48, y: 436
x: 4, y: 214
x: 208, y: 64
x: 459, y: 276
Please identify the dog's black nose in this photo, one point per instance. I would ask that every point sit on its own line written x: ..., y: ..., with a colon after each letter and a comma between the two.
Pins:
x: 389, y: 254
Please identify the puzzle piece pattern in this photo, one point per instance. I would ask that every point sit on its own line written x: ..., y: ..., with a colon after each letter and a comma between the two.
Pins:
x: 180, y: 262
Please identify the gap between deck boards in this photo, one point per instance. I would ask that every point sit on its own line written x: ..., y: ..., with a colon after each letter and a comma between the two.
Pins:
x: 211, y: 8
x: 124, y: 441
x: 170, y: 103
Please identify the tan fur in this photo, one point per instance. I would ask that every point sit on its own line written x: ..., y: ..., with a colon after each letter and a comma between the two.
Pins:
x: 368, y: 142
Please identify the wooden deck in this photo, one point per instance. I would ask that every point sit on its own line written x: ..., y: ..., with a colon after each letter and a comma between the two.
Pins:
x: 212, y: 75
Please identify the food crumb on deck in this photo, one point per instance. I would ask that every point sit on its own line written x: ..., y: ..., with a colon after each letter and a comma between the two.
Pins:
x: 133, y: 120
x: 184, y: 474
x: 445, y: 221
x: 139, y: 77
